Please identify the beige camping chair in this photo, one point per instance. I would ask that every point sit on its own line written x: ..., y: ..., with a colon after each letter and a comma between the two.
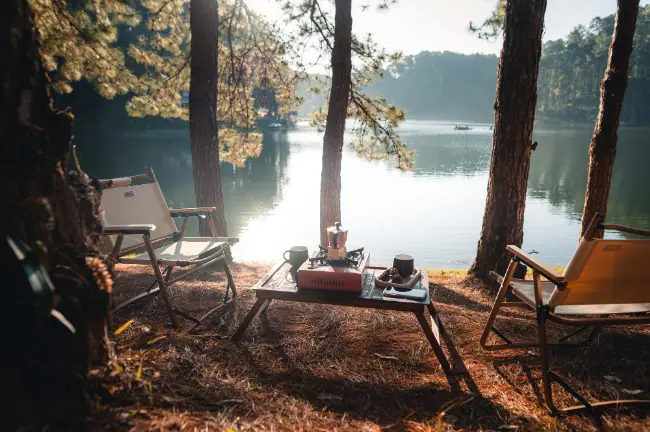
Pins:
x: 605, y: 282
x: 139, y: 228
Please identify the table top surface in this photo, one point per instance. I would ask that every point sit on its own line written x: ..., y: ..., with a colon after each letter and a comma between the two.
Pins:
x: 276, y: 283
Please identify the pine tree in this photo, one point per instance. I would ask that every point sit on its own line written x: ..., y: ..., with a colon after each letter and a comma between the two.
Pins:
x: 53, y: 213
x: 514, y: 115
x: 602, y: 151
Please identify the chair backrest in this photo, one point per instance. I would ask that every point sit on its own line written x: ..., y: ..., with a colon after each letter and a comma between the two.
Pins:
x: 124, y: 204
x: 606, y: 272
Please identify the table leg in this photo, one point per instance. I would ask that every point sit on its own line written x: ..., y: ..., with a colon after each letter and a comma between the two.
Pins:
x: 259, y: 306
x: 436, y: 324
x: 434, y: 340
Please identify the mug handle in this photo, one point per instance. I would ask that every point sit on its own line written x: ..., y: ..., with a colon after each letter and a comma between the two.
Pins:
x: 284, y: 255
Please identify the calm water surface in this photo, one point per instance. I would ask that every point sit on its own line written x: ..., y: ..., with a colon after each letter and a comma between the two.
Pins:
x: 433, y: 212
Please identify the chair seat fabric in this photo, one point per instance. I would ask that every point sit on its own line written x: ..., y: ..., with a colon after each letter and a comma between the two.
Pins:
x: 187, y: 249
x: 525, y: 290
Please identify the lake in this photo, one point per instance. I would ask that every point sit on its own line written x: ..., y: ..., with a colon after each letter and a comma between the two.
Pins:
x: 433, y: 212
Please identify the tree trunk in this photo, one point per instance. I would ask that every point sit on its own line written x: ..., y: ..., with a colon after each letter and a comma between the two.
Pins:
x: 514, y: 115
x: 54, y: 214
x: 204, y: 26
x: 602, y: 150
x: 330, y: 183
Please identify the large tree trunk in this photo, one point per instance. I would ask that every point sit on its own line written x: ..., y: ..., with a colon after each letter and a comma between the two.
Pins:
x: 43, y: 365
x: 204, y: 25
x: 602, y: 150
x: 330, y: 183
x: 514, y: 115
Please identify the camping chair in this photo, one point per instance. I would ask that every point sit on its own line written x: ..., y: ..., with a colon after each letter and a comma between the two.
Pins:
x: 138, y: 216
x: 606, y: 283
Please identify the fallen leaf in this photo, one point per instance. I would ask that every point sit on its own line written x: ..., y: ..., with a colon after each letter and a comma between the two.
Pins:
x: 632, y: 392
x: 156, y: 339
x: 124, y: 326
x: 386, y: 357
x: 612, y: 378
x: 329, y: 396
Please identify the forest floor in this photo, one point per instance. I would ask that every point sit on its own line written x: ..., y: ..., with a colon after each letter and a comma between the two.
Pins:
x: 317, y: 368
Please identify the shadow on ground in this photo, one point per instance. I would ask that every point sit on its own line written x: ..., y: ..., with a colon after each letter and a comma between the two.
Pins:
x: 314, y: 367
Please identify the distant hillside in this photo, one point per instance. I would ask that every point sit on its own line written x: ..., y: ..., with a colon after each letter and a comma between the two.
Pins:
x: 433, y: 86
x: 451, y: 86
x: 442, y: 86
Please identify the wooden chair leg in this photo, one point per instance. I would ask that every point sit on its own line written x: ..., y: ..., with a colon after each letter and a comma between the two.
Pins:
x: 231, y: 281
x: 226, y: 303
x: 168, y: 274
x: 161, y: 282
x: 503, y: 290
x: 543, y: 351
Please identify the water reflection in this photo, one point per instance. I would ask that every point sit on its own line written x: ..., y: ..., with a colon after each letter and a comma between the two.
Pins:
x: 248, y: 191
x: 559, y: 174
x: 433, y: 212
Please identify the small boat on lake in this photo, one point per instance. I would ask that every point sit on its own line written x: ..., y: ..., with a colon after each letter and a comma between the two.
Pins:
x: 274, y: 126
x: 462, y: 127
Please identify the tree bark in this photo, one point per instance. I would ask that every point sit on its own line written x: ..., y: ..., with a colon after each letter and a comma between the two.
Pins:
x: 330, y: 186
x: 44, y: 365
x: 514, y: 116
x: 602, y: 151
x: 204, y: 26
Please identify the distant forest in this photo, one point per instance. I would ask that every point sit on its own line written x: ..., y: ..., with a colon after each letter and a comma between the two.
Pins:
x: 458, y: 87
x: 451, y: 86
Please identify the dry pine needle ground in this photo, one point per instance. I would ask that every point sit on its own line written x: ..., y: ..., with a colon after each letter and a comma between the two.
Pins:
x: 322, y: 368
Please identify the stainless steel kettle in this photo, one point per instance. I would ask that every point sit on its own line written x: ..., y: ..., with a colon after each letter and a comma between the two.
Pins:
x: 337, y: 236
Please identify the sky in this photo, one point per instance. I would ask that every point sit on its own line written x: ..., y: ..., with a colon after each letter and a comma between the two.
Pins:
x: 412, y: 26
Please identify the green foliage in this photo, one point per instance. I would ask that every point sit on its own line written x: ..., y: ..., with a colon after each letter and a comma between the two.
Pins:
x: 571, y: 70
x: 144, y: 51
x: 492, y: 26
x: 375, y: 120
x: 80, y: 43
x: 460, y: 87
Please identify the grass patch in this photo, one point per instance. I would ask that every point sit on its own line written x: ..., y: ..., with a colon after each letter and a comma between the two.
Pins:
x: 448, y: 272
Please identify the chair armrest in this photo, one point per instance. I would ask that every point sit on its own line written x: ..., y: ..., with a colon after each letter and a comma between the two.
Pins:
x: 531, y: 262
x: 626, y: 229
x: 197, y: 211
x: 116, y: 182
x: 128, y: 229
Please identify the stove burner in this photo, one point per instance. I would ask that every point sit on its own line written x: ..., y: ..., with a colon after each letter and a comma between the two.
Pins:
x: 352, y: 259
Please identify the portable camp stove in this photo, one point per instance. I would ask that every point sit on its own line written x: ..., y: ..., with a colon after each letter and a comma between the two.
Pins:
x: 350, y: 259
x: 323, y: 273
x: 334, y: 267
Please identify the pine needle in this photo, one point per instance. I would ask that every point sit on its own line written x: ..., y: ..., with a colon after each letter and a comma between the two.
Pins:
x: 124, y: 326
x: 139, y: 374
x: 154, y: 340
